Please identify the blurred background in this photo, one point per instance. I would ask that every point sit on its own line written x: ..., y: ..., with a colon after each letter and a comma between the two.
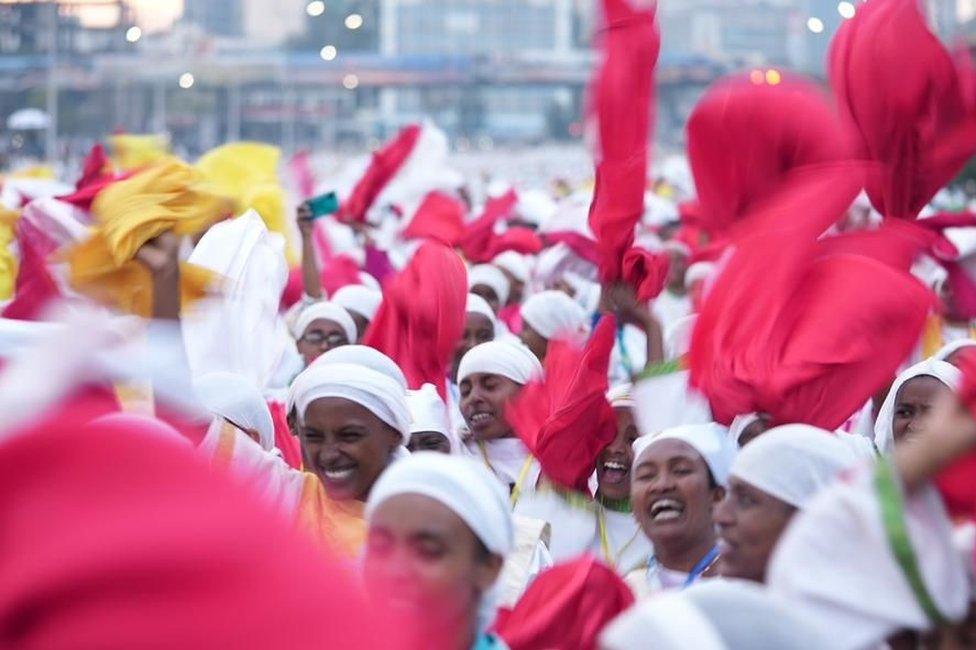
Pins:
x: 342, y: 75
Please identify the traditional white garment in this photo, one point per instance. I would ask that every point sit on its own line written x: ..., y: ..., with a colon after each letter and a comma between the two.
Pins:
x: 629, y: 355
x: 553, y: 314
x: 739, y: 425
x: 363, y: 355
x: 514, y: 263
x: 504, y: 358
x: 793, y: 463
x: 835, y: 564
x: 325, y: 311
x: 884, y: 437
x: 370, y: 389
x: 509, y: 460
x: 234, y: 398
x: 669, y: 308
x: 665, y: 401
x: 478, y: 305
x: 677, y: 338
x: 355, y: 298
x: 716, y: 615
x: 428, y: 413
x: 709, y: 440
x: 491, y: 277
x: 236, y: 330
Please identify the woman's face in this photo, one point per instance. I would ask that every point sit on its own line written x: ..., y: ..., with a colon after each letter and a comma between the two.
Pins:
x: 671, y: 493
x: 755, y: 429
x: 614, y: 462
x: 429, y: 441
x: 488, y: 294
x: 477, y: 330
x: 750, y: 523
x: 346, y: 446
x: 422, y: 559
x: 536, y: 343
x: 912, y: 403
x: 483, y: 401
x: 319, y: 337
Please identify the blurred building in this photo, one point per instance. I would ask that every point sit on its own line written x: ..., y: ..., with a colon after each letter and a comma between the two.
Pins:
x: 223, y: 18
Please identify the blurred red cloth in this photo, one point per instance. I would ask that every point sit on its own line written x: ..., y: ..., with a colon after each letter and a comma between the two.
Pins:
x: 382, y: 168
x: 476, y: 242
x: 622, y: 95
x: 566, y: 607
x: 35, y: 287
x: 958, y: 483
x: 912, y: 105
x: 565, y: 419
x: 422, y: 316
x: 123, y: 541
x: 646, y: 272
x: 287, y: 444
x: 439, y: 217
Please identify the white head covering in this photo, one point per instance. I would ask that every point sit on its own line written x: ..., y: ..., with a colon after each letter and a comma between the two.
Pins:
x: 505, y: 358
x: 364, y: 301
x: 514, y: 263
x: 325, y: 311
x: 699, y: 272
x: 234, y: 398
x: 491, y: 277
x: 949, y: 349
x: 739, y: 425
x: 363, y: 355
x: 368, y: 281
x: 620, y: 396
x: 428, y: 413
x: 553, y: 314
x: 709, y: 440
x: 478, y: 305
x: 884, y: 437
x: 715, y: 615
x: 372, y: 390
x: 793, y: 462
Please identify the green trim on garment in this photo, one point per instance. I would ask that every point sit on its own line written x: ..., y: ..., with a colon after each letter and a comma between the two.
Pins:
x: 615, y: 505
x: 658, y: 370
x: 893, y: 519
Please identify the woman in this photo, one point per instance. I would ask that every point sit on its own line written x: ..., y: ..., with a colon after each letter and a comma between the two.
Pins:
x: 746, y: 428
x: 352, y: 421
x: 548, y: 315
x: 439, y: 532
x: 910, y: 398
x: 361, y: 302
x: 772, y: 479
x: 320, y: 327
x: 479, y: 327
x: 679, y: 476
x: 489, y: 376
x: 430, y: 428
x: 490, y: 283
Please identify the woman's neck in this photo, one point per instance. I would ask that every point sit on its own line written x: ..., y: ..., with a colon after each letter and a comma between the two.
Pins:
x: 683, y: 555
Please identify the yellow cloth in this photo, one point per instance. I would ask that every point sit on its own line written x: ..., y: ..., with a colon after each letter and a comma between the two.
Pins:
x: 8, y: 262
x: 137, y: 151
x: 248, y: 171
x: 336, y: 525
x: 932, y: 335
x: 129, y: 213
x: 42, y: 172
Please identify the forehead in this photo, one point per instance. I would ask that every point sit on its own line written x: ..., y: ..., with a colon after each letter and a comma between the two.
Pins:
x: 324, y: 325
x: 484, y: 291
x: 410, y: 514
x: 332, y: 412
x: 477, y: 321
x: 667, y: 450
x: 921, y: 389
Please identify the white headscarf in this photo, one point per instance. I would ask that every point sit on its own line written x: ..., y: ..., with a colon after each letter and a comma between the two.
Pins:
x: 620, y: 396
x: 793, y: 462
x: 739, y: 425
x: 709, y: 440
x: 884, y: 436
x: 361, y: 300
x: 478, y: 305
x: 428, y: 413
x: 949, y: 349
x: 363, y: 355
x: 505, y: 358
x: 491, y: 277
x: 715, y: 615
x: 325, y: 311
x: 376, y: 392
x: 234, y: 398
x: 553, y: 314
x: 514, y: 263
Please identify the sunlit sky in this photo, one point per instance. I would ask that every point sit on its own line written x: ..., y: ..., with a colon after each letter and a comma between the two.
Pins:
x: 151, y: 14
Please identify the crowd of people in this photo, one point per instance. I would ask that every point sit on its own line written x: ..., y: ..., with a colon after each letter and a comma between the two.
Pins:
x: 729, y: 404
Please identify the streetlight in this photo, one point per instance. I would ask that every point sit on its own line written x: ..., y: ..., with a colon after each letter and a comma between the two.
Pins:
x: 773, y: 77
x: 354, y: 21
x: 846, y: 9
x: 133, y: 34
x: 315, y: 8
x: 815, y: 25
x: 187, y: 80
x: 328, y: 53
x: 350, y: 82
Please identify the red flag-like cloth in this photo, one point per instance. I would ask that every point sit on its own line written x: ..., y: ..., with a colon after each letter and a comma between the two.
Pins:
x: 439, y: 217
x: 422, y: 316
x: 746, y: 138
x: 518, y: 239
x: 96, y: 175
x: 958, y: 482
x: 301, y: 171
x: 291, y: 450
x: 565, y: 419
x: 623, y: 92
x: 809, y: 334
x: 476, y: 243
x: 911, y: 103
x: 382, y: 168
x: 35, y: 287
x: 566, y: 607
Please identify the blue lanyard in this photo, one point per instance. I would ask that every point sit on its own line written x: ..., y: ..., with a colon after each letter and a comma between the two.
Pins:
x: 700, y: 567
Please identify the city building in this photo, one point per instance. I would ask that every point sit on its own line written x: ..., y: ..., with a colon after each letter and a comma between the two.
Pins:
x: 223, y: 18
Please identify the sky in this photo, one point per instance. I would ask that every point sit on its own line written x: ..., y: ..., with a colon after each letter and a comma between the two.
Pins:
x: 151, y: 14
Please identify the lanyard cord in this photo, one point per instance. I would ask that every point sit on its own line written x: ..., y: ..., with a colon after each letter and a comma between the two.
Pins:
x: 523, y: 474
